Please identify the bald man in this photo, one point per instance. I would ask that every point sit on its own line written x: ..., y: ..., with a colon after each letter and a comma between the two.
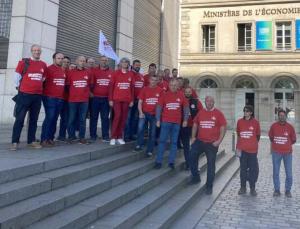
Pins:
x: 210, y: 128
x: 79, y: 83
x: 29, y: 78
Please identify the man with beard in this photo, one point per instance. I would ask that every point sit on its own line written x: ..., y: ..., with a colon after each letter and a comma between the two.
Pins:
x: 186, y: 132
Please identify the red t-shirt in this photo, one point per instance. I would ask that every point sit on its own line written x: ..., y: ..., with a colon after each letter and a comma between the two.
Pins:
x: 150, y: 96
x: 121, y: 87
x: 146, y: 80
x: 247, y: 131
x: 79, y: 82
x: 138, y: 83
x: 200, y: 107
x: 282, y: 137
x: 164, y: 85
x: 172, y: 104
x: 101, y: 81
x: 32, y: 81
x: 54, y: 85
x: 209, y: 124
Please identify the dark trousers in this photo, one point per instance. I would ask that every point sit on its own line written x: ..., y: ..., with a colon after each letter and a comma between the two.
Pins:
x: 131, y: 127
x: 99, y: 105
x: 52, y: 106
x: 199, y: 147
x: 249, y: 169
x: 26, y: 103
x: 63, y: 124
x: 80, y: 109
x: 185, y: 136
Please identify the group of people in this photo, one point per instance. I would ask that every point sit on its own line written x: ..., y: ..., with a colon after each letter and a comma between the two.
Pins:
x: 159, y: 104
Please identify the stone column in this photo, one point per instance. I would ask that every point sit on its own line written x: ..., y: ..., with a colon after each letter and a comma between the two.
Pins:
x: 125, y: 28
x: 32, y: 22
x: 169, y: 34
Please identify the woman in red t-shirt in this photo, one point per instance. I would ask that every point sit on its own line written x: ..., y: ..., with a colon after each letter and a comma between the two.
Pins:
x: 121, y: 94
x: 248, y: 133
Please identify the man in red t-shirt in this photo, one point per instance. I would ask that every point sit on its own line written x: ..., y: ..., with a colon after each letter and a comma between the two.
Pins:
x: 79, y: 83
x: 186, y: 132
x: 151, y: 72
x: 121, y: 94
x: 210, y: 128
x: 282, y: 136
x: 169, y: 117
x: 29, y: 84
x: 64, y: 113
x: 148, y: 99
x: 248, y: 135
x: 53, y: 98
x: 163, y: 84
x: 99, y: 103
x: 130, y: 132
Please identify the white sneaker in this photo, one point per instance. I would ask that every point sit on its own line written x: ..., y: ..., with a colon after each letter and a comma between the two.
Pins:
x: 121, y: 141
x: 112, y: 142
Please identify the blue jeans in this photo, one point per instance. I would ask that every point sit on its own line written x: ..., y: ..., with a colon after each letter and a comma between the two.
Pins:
x: 80, y: 109
x: 172, y: 130
x: 131, y: 127
x: 152, y: 132
x: 63, y: 124
x: 26, y: 103
x: 99, y: 105
x: 199, y: 147
x: 52, y: 106
x: 287, y: 161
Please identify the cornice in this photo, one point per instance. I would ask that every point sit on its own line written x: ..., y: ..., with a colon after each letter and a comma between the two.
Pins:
x: 231, y: 3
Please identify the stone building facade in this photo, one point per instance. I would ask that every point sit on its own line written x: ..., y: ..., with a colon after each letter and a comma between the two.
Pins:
x: 244, y: 52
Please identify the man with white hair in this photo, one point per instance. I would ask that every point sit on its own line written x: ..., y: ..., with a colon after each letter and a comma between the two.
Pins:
x: 29, y: 77
x: 210, y: 127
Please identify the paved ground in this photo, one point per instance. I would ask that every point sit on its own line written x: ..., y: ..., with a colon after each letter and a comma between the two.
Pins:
x: 264, y: 211
x: 229, y: 211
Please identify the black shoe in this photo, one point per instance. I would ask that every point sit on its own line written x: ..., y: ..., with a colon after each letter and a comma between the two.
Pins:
x: 138, y: 149
x: 242, y: 191
x: 171, y: 166
x: 194, y: 180
x: 288, y: 194
x: 157, y: 165
x: 208, y: 191
x: 276, y: 193
x: 253, y: 192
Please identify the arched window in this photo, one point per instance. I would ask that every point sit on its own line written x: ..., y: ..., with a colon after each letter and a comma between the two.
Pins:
x: 245, y: 83
x: 284, y: 83
x: 208, y: 83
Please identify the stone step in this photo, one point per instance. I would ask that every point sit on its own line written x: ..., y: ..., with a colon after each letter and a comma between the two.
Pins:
x: 36, y: 208
x: 25, y: 188
x: 131, y: 213
x: 177, y: 204
x: 96, y: 207
x: 28, y: 162
x: 193, y: 214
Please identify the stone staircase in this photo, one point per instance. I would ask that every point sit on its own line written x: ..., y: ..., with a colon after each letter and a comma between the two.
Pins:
x: 113, y: 187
